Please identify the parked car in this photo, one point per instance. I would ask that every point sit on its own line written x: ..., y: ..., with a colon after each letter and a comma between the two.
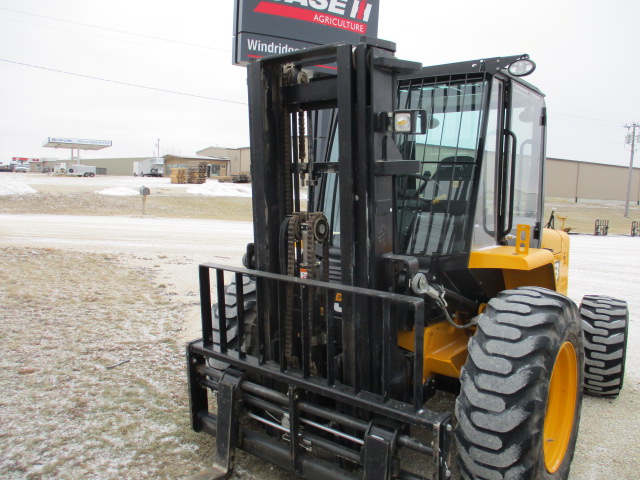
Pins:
x: 21, y: 169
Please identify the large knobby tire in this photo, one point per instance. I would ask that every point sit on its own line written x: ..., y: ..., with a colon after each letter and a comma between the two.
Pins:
x: 250, y: 341
x: 519, y: 407
x: 605, y: 323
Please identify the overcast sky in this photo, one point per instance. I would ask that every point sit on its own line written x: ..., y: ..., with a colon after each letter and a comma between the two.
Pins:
x: 586, y: 52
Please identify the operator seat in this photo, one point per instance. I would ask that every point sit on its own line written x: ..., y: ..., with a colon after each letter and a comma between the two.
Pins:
x: 453, y: 178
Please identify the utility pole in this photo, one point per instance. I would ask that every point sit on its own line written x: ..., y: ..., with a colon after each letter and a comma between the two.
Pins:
x: 633, y: 127
x: 158, y: 148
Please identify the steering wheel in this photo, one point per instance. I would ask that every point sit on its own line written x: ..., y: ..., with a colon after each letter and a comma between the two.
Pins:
x: 424, y: 178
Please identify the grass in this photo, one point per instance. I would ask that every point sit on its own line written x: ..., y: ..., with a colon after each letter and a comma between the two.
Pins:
x: 172, y: 206
x: 580, y: 217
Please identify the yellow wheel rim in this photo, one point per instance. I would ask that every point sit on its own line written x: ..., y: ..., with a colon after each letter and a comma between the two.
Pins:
x: 561, y: 406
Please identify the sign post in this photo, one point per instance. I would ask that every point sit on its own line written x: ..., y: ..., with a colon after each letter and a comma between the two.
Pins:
x: 144, y: 192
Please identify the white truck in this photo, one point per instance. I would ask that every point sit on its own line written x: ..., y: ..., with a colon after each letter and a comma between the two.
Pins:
x: 81, y: 170
x: 151, y: 167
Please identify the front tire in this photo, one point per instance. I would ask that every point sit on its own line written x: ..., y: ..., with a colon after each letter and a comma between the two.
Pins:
x: 519, y: 407
x: 605, y: 323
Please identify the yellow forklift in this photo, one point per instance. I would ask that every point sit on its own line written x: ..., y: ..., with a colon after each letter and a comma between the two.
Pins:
x: 398, y: 251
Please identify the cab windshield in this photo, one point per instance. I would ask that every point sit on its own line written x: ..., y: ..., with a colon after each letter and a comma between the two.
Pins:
x: 433, y: 204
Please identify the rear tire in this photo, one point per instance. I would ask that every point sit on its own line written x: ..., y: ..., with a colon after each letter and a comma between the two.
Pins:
x: 250, y: 342
x: 519, y: 407
x: 605, y: 323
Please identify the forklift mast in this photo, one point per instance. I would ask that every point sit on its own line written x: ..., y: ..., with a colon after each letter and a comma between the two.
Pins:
x: 361, y: 92
x: 360, y: 95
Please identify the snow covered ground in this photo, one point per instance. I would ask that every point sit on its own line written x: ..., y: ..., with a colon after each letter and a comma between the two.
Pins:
x: 609, y: 442
x: 26, y: 183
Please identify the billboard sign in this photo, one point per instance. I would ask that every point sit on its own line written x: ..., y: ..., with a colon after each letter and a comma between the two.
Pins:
x: 268, y: 27
x: 80, y: 141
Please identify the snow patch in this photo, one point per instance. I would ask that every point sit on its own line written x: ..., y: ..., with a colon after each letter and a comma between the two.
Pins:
x: 214, y: 188
x: 118, y: 191
x: 16, y: 189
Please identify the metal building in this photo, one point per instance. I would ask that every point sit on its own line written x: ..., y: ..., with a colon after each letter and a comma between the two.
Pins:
x: 580, y: 181
x: 239, y: 158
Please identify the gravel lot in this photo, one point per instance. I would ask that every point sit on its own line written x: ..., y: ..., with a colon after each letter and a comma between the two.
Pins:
x: 91, y: 371
x: 81, y: 295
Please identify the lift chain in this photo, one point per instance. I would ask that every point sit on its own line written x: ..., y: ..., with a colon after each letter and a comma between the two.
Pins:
x: 286, y: 147
x: 315, y: 231
x: 316, y: 221
x: 302, y: 150
x: 293, y: 233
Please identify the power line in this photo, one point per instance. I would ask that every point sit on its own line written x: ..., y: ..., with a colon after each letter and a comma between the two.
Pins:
x: 122, y: 83
x: 114, y: 39
x: 114, y: 30
x: 589, y: 118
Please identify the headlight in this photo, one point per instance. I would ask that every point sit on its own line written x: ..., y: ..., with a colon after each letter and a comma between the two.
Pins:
x: 521, y: 68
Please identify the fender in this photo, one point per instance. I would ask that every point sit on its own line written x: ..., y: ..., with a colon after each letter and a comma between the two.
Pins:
x: 542, y: 267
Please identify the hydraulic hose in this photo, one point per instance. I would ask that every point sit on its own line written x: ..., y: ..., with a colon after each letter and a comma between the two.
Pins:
x: 435, y: 292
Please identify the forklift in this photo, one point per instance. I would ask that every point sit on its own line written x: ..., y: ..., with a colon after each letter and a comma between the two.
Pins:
x: 398, y: 252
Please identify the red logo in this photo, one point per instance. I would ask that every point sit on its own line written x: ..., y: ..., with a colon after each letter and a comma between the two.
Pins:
x: 352, y: 16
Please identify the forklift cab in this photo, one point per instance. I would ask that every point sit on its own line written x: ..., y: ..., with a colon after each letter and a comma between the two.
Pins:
x: 480, y: 159
x: 477, y: 153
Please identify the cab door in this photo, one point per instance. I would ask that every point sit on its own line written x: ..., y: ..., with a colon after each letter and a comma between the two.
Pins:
x: 510, y: 189
x: 524, y: 140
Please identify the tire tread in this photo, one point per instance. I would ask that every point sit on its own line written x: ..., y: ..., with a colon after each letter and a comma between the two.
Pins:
x: 605, y: 323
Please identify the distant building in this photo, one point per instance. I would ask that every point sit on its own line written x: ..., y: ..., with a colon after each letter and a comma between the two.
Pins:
x: 239, y: 158
x: 216, y: 166
x: 580, y: 181
x: 221, y: 162
x: 566, y: 179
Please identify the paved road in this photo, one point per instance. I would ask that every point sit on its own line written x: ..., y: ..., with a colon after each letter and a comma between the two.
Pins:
x: 136, y: 235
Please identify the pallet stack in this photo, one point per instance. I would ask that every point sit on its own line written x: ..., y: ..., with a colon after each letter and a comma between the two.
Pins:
x: 178, y: 175
x: 197, y: 172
